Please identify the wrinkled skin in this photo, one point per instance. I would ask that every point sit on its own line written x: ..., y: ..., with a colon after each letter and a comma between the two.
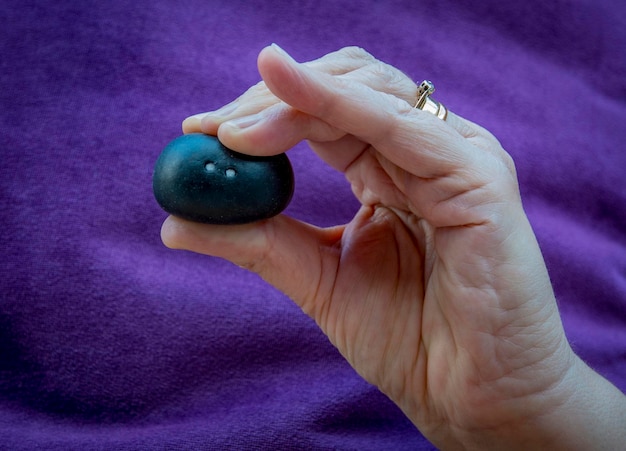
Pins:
x: 436, y: 291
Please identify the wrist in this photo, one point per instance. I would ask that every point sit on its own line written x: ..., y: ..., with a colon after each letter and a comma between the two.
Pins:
x: 583, y: 412
x: 592, y: 416
x: 580, y: 411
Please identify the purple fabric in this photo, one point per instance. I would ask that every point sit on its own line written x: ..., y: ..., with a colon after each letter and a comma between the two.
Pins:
x: 108, y: 340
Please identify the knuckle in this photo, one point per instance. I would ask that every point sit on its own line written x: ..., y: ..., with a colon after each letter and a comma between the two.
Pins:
x: 509, y: 163
x: 392, y: 77
x: 258, y: 255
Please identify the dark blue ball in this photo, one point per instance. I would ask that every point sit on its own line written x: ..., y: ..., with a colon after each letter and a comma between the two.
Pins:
x: 197, y: 178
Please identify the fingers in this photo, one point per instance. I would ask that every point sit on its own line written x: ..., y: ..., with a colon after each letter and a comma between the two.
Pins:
x: 390, y: 124
x: 274, y: 130
x: 254, y: 100
x: 260, y: 123
x: 352, y: 63
x: 290, y: 255
x: 272, y: 126
x: 259, y: 98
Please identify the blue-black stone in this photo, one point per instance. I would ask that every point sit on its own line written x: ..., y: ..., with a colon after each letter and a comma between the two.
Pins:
x: 197, y: 178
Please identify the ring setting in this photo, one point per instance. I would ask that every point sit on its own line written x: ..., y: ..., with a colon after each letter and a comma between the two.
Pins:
x: 426, y: 103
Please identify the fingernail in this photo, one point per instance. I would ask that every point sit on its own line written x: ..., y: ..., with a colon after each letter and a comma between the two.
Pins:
x: 281, y: 52
x: 244, y: 121
x: 193, y: 121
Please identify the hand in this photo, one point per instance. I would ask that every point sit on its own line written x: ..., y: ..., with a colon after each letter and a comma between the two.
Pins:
x: 436, y: 291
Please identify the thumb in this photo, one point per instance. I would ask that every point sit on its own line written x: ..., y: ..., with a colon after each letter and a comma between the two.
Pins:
x: 291, y: 255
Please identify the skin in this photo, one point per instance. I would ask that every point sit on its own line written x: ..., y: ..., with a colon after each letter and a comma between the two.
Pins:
x: 436, y: 291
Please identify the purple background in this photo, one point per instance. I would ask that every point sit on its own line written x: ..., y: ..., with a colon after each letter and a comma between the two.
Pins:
x: 108, y: 340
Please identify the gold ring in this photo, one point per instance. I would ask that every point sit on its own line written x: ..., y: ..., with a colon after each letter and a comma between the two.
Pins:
x: 425, y: 103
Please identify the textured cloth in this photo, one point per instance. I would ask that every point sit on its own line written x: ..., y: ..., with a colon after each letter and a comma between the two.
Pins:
x: 109, y: 340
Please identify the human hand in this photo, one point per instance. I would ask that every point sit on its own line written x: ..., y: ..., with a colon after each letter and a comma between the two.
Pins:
x: 436, y: 291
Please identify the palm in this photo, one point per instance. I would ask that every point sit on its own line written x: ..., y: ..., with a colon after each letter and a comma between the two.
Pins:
x: 402, y: 311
